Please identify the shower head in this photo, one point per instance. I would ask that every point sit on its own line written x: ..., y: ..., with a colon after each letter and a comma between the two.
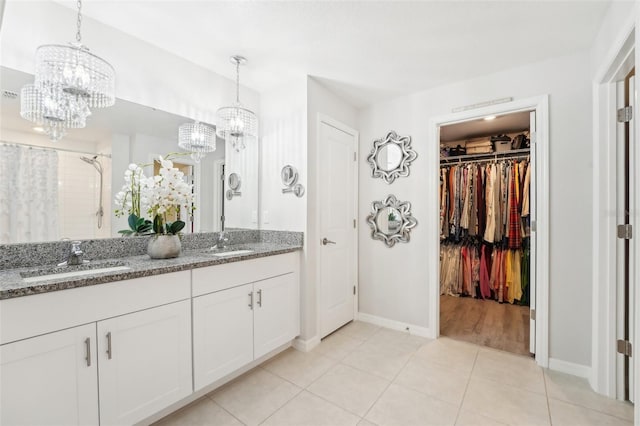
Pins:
x: 94, y: 162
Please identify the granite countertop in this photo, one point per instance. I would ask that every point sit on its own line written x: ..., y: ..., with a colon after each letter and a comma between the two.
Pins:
x: 12, y: 283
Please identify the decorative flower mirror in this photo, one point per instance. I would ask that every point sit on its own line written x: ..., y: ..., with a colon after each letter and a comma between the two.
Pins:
x: 391, y: 220
x: 390, y: 157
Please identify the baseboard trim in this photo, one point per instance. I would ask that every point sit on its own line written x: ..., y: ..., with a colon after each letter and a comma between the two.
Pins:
x: 395, y: 325
x: 306, y: 345
x: 570, y: 368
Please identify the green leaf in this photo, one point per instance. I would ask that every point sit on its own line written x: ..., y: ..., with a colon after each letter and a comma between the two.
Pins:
x: 157, y: 225
x: 176, y: 227
x: 133, y: 220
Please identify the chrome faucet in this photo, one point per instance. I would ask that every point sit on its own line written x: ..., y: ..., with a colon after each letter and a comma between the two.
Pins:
x: 76, y: 255
x: 221, y: 242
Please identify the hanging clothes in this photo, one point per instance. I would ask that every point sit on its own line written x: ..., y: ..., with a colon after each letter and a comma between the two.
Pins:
x: 484, y: 216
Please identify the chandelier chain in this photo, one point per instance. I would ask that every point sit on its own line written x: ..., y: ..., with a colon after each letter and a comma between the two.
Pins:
x: 238, y: 81
x: 79, y: 22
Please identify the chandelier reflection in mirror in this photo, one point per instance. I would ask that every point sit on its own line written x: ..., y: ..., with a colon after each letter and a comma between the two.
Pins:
x: 197, y: 138
x: 237, y: 124
x: 69, y: 80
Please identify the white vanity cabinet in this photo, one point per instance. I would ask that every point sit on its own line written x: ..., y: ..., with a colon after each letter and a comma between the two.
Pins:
x: 50, y: 379
x: 63, y: 374
x: 144, y: 362
x: 222, y: 334
x: 241, y: 312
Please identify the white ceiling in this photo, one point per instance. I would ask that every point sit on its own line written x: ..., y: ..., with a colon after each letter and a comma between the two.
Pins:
x: 365, y: 51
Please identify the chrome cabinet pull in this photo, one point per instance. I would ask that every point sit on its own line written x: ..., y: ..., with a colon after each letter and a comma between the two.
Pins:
x: 109, y: 352
x: 251, y: 300
x: 326, y: 241
x: 260, y: 298
x: 87, y: 345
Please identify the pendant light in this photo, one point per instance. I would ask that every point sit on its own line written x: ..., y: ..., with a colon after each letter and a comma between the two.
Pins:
x: 236, y: 123
x: 74, y: 78
x: 198, y: 138
x: 52, y: 109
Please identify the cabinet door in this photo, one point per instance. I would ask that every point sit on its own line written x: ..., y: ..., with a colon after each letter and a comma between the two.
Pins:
x: 50, y: 379
x: 145, y: 362
x: 222, y: 333
x: 275, y: 314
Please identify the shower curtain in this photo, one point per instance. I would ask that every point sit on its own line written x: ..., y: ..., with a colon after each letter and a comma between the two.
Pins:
x: 28, y: 194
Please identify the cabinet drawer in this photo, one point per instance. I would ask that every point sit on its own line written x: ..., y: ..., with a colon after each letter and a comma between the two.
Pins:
x: 220, y: 277
x: 24, y: 317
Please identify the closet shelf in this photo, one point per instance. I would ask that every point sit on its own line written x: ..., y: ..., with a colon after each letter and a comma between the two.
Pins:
x: 516, y: 153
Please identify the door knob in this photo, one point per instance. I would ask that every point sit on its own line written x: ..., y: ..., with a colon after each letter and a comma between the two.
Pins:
x: 325, y: 241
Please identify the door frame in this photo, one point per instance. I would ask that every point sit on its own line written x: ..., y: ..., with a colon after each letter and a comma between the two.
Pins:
x: 621, y: 58
x: 218, y: 193
x: 540, y: 139
x: 197, y: 185
x: 323, y: 118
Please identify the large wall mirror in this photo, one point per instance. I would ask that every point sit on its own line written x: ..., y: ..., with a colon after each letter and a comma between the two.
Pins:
x: 55, y: 190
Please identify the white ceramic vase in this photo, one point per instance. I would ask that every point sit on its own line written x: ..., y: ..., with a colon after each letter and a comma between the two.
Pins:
x: 164, y: 246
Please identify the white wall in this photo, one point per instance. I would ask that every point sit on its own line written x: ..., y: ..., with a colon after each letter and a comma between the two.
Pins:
x: 394, y: 282
x: 283, y: 125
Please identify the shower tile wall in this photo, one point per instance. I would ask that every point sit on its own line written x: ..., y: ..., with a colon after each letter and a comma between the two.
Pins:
x: 78, y: 193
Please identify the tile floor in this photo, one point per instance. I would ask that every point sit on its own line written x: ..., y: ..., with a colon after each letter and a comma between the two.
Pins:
x: 366, y: 375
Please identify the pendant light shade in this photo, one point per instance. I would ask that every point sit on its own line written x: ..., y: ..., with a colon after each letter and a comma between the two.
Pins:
x: 76, y: 71
x: 236, y: 123
x: 197, y: 138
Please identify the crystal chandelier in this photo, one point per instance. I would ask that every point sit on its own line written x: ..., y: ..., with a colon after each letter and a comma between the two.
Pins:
x: 198, y: 138
x: 54, y: 110
x: 68, y: 81
x: 237, y: 123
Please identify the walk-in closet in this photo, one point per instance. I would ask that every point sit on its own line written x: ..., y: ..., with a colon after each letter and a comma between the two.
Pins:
x: 486, y: 202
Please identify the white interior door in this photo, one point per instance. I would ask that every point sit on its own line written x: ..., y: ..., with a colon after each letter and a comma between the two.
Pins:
x: 532, y: 239
x: 337, y: 204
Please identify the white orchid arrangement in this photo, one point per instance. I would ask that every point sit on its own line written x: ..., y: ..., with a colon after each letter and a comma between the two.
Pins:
x: 157, y: 197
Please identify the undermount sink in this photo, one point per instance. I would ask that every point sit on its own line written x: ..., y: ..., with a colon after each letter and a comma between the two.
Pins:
x: 231, y: 253
x: 57, y: 272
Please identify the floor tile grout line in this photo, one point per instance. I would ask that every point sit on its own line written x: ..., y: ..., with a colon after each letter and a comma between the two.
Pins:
x: 299, y: 388
x: 466, y: 388
x: 225, y: 410
x: 282, y: 406
x: 388, y: 386
x: 575, y: 404
x: 546, y: 394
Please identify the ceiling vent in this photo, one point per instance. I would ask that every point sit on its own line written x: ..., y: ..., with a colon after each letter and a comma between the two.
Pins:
x: 9, y: 94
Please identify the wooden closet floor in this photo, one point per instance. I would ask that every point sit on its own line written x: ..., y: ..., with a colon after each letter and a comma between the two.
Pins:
x: 486, y: 322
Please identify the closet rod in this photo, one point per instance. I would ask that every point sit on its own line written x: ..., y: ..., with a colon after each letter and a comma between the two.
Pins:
x: 489, y: 155
x: 487, y: 160
x: 55, y: 149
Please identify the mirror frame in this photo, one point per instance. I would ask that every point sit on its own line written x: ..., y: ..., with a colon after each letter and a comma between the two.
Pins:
x: 289, y: 175
x: 234, y: 181
x: 408, y: 222
x: 408, y: 155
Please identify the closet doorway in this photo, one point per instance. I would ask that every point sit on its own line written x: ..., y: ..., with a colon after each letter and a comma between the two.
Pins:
x: 485, y: 230
x: 488, y: 272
